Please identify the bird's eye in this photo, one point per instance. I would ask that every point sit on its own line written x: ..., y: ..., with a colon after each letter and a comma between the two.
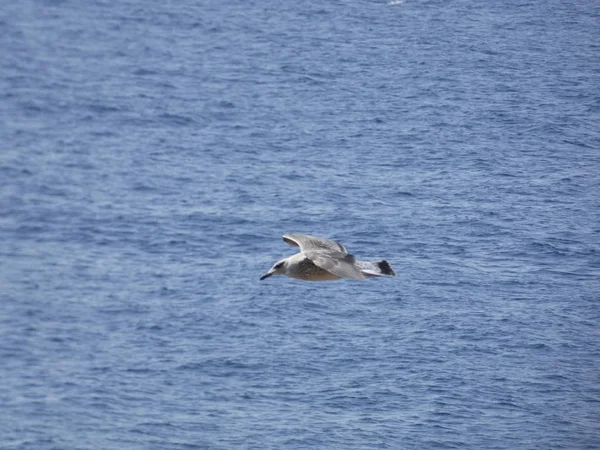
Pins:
x: 279, y: 265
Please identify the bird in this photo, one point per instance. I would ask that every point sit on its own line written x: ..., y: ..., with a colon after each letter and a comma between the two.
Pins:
x: 322, y: 259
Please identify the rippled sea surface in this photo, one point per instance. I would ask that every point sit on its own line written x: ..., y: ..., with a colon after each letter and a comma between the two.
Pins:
x: 153, y: 153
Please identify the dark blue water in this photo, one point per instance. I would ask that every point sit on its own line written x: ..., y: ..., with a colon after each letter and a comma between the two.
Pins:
x: 153, y: 153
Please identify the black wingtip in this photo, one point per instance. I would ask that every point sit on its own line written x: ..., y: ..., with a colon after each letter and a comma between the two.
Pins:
x: 385, y: 268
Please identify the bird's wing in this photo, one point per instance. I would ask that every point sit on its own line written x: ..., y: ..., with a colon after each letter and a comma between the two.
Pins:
x: 338, y: 263
x: 310, y: 243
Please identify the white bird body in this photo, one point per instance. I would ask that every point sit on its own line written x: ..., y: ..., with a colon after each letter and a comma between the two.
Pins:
x: 322, y: 259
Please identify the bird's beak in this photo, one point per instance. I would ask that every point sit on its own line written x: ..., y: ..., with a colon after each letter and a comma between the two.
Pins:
x: 267, y: 275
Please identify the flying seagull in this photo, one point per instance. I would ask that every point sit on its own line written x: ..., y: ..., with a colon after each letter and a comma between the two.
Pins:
x: 321, y: 259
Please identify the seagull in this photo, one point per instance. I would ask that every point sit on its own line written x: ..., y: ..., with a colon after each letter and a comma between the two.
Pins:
x: 322, y: 259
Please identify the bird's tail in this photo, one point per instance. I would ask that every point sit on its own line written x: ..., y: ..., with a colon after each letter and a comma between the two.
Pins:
x: 376, y: 269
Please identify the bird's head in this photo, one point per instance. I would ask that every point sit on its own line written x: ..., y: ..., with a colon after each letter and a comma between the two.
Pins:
x: 279, y: 268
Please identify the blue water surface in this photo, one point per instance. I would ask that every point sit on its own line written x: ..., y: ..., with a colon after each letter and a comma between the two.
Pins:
x: 153, y: 153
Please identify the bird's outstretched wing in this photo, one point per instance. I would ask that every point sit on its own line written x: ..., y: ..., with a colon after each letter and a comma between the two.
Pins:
x: 310, y: 243
x: 338, y: 263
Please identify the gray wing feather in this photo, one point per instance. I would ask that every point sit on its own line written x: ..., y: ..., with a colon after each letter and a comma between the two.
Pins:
x: 338, y: 263
x: 311, y: 243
